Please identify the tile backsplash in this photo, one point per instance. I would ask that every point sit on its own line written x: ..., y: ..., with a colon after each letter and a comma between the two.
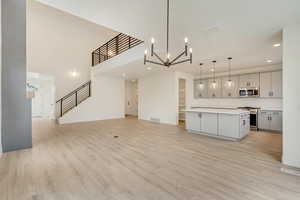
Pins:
x: 239, y: 102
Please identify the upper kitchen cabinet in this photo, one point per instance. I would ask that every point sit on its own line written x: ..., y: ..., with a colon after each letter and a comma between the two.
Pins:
x: 200, y: 89
x: 230, y: 90
x: 271, y: 84
x: 215, y: 89
x: 249, y: 81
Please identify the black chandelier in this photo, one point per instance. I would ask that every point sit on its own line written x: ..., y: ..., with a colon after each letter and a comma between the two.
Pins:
x: 168, y: 62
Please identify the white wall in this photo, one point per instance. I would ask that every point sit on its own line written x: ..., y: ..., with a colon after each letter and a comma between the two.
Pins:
x: 131, y: 98
x: 107, y: 102
x: 291, y: 89
x: 157, y: 98
x: 59, y: 43
x: 43, y: 102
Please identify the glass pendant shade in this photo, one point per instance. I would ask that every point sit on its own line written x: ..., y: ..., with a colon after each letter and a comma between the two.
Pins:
x: 229, y: 82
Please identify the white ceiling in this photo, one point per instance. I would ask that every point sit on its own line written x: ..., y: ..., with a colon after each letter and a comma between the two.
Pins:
x: 243, y: 29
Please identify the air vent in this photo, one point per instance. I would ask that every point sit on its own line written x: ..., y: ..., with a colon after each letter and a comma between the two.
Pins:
x: 157, y: 120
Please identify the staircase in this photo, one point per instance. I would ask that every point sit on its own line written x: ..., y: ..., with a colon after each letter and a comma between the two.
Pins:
x: 112, y: 48
x: 73, y: 99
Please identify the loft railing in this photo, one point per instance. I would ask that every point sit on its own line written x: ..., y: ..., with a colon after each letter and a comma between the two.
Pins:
x: 114, y: 47
x: 73, y: 99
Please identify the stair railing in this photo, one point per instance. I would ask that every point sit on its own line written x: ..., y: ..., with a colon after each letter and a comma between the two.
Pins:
x: 114, y: 47
x: 74, y: 98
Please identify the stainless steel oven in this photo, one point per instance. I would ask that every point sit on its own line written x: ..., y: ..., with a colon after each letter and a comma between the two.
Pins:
x: 249, y: 92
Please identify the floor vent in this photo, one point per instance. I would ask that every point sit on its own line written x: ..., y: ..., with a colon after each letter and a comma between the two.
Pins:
x: 157, y: 120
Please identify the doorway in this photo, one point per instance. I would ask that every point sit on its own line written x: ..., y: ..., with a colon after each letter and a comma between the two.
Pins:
x: 181, y: 102
x: 41, y: 89
x: 131, y: 98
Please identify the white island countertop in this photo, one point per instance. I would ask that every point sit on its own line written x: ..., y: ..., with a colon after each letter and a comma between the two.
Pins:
x: 218, y: 111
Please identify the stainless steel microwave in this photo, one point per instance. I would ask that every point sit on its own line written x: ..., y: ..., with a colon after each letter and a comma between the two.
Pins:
x: 249, y: 92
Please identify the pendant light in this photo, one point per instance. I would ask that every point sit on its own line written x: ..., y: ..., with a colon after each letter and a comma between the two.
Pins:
x: 181, y: 58
x: 229, y: 82
x: 214, y: 83
x: 201, y: 85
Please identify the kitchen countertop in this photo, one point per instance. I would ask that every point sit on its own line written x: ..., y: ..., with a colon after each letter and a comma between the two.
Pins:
x: 271, y: 109
x: 218, y: 111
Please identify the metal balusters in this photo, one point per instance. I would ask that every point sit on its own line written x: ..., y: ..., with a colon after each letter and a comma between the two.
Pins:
x: 74, y: 98
x: 114, y: 47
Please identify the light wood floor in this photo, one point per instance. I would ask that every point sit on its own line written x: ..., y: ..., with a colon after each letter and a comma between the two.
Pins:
x: 147, y: 161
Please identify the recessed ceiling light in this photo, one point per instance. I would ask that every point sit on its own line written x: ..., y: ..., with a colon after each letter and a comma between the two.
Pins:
x: 269, y: 61
x: 124, y: 75
x: 212, y: 70
x: 277, y: 45
x: 149, y: 68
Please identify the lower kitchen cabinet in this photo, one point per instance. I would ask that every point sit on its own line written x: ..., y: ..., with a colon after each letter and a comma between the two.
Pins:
x: 194, y: 123
x: 270, y: 120
x: 226, y: 126
x: 209, y: 123
x: 204, y: 122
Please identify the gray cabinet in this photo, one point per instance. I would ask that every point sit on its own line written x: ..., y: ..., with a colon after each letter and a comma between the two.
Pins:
x: 200, y: 89
x: 277, y: 84
x: 276, y: 121
x: 271, y: 84
x: 249, y: 80
x: 270, y: 120
x: 193, y: 122
x: 228, y: 125
x: 230, y: 90
x: 202, y: 122
x: 209, y: 123
x: 214, y: 90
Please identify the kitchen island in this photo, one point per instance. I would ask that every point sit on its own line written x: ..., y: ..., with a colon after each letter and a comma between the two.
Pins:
x: 230, y: 124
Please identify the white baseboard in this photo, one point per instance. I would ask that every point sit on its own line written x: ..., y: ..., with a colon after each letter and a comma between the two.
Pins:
x: 290, y: 171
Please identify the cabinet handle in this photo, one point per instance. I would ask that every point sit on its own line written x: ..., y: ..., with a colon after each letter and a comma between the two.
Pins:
x: 229, y: 94
x: 270, y: 118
